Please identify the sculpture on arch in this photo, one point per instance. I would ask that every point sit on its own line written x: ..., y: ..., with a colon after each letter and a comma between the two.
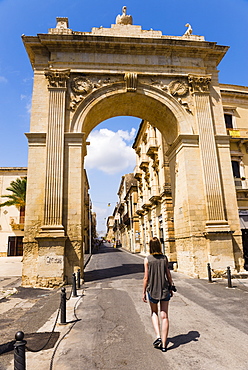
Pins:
x: 124, y: 18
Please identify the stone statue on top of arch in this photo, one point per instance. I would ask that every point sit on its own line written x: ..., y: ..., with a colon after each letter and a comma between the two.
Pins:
x: 124, y: 18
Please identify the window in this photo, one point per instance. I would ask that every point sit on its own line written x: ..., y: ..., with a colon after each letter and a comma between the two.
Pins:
x: 228, y: 120
x: 15, y: 246
x: 236, y: 169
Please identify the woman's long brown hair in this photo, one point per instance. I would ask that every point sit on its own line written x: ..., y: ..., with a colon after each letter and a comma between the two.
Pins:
x: 155, y: 246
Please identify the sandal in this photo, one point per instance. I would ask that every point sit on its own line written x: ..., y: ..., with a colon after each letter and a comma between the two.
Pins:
x: 157, y: 343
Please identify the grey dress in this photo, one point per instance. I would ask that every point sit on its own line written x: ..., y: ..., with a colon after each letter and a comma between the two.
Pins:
x: 157, y: 278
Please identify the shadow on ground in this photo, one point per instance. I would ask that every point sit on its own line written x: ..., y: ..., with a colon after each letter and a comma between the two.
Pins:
x: 35, y: 342
x: 112, y: 272
x: 181, y: 339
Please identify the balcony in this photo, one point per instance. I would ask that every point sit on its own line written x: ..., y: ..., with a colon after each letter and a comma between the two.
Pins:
x: 144, y: 163
x: 240, y: 183
x: 238, y: 133
x: 15, y: 226
x: 147, y: 206
x: 126, y: 219
x: 139, y: 210
x: 155, y: 194
x: 152, y: 146
x: 121, y: 207
x: 137, y: 172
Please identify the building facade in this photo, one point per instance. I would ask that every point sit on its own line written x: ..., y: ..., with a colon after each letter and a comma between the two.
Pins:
x: 11, y: 219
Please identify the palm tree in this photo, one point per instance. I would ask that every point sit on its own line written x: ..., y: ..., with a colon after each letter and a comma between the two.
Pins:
x: 17, y: 197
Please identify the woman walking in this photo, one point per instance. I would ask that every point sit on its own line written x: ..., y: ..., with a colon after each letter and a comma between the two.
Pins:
x: 157, y: 286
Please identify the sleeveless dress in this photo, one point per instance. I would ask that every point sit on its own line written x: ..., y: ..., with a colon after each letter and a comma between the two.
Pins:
x: 157, y: 279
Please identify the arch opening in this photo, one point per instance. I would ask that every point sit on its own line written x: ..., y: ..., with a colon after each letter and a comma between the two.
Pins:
x: 162, y: 111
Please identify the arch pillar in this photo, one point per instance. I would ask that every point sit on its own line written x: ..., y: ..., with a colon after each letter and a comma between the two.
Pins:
x: 211, y: 169
x: 53, y: 203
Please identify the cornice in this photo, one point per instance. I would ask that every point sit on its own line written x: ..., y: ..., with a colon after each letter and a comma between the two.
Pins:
x: 181, y: 141
x: 48, y: 43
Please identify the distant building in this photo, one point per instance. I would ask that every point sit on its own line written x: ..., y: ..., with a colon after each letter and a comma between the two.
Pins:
x: 154, y: 201
x: 110, y: 226
x: 89, y: 221
x: 11, y: 220
x: 126, y: 222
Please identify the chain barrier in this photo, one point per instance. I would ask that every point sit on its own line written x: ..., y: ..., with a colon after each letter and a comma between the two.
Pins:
x: 70, y: 294
x: 67, y: 332
x: 20, y: 345
x: 50, y: 336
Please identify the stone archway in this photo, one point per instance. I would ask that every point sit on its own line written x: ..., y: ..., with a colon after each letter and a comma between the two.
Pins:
x: 95, y: 76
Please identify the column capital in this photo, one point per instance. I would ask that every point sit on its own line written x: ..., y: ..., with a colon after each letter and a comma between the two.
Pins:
x: 199, y: 83
x: 57, y: 78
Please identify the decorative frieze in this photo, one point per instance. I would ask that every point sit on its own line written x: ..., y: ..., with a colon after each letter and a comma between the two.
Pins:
x: 159, y: 84
x: 81, y: 86
x: 177, y: 88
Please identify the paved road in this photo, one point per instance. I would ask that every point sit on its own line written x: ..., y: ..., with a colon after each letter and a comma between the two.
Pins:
x: 208, y: 322
x: 209, y: 325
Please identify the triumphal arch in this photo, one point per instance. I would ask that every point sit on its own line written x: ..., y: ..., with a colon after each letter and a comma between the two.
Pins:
x: 81, y: 79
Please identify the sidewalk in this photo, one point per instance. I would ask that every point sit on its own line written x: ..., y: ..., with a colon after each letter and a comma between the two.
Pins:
x: 10, y: 275
x: 11, y: 272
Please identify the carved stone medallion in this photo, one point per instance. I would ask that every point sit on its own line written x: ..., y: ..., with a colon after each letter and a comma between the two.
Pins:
x: 178, y: 88
x: 81, y: 85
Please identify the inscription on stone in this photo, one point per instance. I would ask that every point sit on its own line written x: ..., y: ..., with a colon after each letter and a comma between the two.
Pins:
x: 51, y: 260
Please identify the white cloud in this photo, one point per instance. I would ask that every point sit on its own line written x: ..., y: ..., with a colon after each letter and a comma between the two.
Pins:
x: 109, y: 152
x: 3, y: 79
x: 28, y: 100
x: 126, y: 135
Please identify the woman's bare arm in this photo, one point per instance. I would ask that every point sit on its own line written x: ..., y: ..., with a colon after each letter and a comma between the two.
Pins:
x: 145, y: 279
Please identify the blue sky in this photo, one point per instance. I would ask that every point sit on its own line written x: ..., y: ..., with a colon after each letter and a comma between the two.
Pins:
x: 222, y: 21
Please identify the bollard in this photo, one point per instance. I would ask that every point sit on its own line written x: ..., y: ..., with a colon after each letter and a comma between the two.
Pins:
x: 229, y: 277
x: 74, y: 285
x: 19, y: 352
x: 63, y: 306
x: 209, y: 274
x: 78, y: 278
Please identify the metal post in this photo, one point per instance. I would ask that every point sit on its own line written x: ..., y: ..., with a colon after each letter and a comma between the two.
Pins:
x: 74, y: 285
x: 78, y: 278
x: 209, y: 274
x: 229, y: 277
x: 19, y: 352
x: 63, y: 306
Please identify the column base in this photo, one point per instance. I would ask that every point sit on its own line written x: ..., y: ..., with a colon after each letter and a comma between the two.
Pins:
x: 53, y: 231
x: 217, y: 226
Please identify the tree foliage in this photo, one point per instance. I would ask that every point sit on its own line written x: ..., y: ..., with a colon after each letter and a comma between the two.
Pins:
x: 17, y: 196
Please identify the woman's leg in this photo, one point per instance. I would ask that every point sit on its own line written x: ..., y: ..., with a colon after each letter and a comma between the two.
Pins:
x: 155, y: 319
x: 164, y: 305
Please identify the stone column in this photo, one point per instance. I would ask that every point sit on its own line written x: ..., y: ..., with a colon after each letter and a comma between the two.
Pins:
x: 55, y: 153
x: 211, y: 171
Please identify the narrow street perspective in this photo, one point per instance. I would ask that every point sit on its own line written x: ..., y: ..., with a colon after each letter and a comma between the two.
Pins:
x: 114, y: 330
